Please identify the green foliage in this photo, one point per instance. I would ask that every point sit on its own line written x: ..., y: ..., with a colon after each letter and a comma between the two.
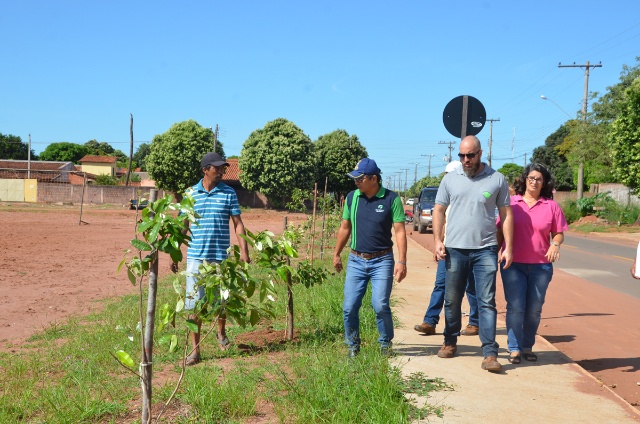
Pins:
x: 174, y: 158
x: 511, y: 171
x: 625, y: 138
x: 12, y: 147
x: 140, y: 156
x: 106, y: 180
x: 557, y: 163
x: 64, y: 151
x: 276, y: 159
x: 414, y: 190
x: 585, y: 205
x: 571, y: 211
x: 94, y: 147
x: 298, y: 198
x: 336, y: 154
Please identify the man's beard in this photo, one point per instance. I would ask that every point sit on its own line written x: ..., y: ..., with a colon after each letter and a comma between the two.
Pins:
x: 471, y: 172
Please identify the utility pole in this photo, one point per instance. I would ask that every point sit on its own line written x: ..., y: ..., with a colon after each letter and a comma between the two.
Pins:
x: 450, y: 143
x: 525, y: 160
x: 432, y: 155
x: 584, y: 115
x: 491, y: 138
x: 29, y: 159
x: 406, y: 178
x: 415, y: 173
x: 513, y: 139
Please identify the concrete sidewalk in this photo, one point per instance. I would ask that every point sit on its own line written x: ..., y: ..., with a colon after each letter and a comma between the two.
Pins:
x: 552, y: 390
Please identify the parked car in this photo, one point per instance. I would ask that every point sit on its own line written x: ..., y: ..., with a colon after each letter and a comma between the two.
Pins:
x: 410, y: 202
x: 423, y: 208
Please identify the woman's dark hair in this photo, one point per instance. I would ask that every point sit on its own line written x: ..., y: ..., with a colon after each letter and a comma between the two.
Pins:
x: 548, y: 184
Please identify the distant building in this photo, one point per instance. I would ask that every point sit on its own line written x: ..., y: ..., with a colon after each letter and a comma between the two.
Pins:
x: 99, y: 165
x: 41, y: 170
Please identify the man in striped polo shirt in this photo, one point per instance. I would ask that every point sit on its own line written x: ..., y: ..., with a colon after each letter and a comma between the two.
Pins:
x: 368, y: 216
x: 216, y: 203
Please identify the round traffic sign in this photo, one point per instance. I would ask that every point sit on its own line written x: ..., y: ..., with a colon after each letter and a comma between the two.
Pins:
x: 463, y: 116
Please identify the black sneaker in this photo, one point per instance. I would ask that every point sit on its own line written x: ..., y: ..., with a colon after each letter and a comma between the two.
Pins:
x: 386, y: 350
x: 352, y: 352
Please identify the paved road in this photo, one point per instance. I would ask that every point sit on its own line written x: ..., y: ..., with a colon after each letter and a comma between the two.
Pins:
x: 592, y: 309
x: 602, y: 261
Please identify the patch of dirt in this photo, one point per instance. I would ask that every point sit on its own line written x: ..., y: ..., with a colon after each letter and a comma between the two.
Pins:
x: 53, y: 266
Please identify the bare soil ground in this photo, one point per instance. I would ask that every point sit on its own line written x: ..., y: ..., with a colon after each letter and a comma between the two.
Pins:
x: 53, y: 266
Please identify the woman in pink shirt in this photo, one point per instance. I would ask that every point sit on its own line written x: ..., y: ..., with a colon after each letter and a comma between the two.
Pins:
x: 538, y: 226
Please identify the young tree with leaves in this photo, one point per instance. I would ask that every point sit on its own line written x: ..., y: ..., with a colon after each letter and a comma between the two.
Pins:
x: 64, y: 152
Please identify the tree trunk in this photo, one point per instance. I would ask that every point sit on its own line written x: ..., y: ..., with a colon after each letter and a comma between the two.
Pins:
x: 146, y: 365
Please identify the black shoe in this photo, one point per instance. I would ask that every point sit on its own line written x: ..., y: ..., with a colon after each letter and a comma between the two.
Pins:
x: 352, y: 353
x: 386, y: 350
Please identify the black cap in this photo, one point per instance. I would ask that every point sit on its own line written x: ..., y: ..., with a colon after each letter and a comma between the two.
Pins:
x: 214, y: 159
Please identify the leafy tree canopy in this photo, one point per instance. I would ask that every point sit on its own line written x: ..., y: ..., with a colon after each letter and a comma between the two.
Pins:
x: 140, y: 156
x: 64, y: 151
x: 511, y: 171
x: 276, y: 159
x: 174, y: 157
x: 12, y: 147
x: 96, y: 148
x: 557, y: 164
x: 625, y: 138
x: 336, y: 154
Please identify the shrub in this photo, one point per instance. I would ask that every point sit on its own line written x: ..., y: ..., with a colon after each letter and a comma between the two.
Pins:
x: 571, y: 211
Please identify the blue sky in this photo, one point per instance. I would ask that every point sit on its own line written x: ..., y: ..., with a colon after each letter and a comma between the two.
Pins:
x: 384, y: 71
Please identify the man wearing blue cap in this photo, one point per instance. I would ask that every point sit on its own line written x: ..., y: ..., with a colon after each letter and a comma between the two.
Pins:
x: 369, y: 213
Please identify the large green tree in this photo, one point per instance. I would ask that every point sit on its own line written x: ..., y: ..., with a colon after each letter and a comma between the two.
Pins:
x: 511, y: 171
x: 276, y: 159
x: 64, y: 151
x: 140, y: 156
x: 625, y: 137
x: 174, y: 158
x: 549, y: 156
x: 12, y: 147
x: 336, y: 154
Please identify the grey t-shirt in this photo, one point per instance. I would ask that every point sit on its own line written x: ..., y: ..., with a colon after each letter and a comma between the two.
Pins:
x: 471, y: 222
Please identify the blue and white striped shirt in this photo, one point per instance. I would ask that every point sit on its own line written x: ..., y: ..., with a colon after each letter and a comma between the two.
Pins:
x: 210, y: 239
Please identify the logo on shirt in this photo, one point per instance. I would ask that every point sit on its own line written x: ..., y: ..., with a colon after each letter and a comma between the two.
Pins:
x: 380, y: 208
x: 486, y: 194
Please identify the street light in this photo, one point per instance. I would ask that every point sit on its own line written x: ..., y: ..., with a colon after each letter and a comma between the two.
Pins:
x: 543, y: 97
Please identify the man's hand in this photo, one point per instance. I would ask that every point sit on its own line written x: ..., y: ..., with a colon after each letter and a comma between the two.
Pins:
x: 174, y: 267
x: 507, y: 256
x: 337, y: 263
x: 399, y: 272
x: 440, y: 251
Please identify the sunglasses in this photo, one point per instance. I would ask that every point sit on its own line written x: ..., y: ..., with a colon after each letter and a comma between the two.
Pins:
x: 468, y: 155
x: 360, y: 178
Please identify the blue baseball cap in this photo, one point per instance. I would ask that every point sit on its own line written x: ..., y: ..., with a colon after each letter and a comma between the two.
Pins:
x: 366, y: 166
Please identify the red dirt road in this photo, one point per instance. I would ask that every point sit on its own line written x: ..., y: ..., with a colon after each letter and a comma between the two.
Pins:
x: 593, y: 325
x: 52, y: 267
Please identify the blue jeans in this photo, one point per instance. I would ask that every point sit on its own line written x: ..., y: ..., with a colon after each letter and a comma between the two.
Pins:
x: 525, y: 287
x: 359, y: 272
x: 483, y: 265
x: 432, y: 316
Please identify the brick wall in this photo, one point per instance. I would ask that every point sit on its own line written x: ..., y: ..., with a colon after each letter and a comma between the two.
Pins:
x: 67, y: 193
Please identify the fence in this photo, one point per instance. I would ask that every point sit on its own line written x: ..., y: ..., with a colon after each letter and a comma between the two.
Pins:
x: 70, y: 187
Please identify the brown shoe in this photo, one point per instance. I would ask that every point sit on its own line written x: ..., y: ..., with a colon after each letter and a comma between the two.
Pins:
x: 447, y: 351
x: 470, y: 330
x: 490, y: 363
x: 426, y: 329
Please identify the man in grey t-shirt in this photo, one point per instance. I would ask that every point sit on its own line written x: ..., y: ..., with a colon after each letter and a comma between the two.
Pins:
x: 472, y: 192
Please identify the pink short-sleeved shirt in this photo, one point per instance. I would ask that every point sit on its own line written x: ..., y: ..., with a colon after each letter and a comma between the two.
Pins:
x: 532, y: 228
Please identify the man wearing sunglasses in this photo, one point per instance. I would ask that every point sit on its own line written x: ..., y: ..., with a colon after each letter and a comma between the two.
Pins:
x: 369, y: 213
x: 471, y: 193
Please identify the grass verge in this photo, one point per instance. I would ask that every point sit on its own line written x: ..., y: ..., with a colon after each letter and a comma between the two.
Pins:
x: 65, y: 374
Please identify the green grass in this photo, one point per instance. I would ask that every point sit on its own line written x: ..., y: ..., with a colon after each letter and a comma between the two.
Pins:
x: 66, y: 374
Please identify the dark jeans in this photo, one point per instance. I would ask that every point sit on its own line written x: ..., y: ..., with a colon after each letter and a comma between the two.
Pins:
x: 483, y: 265
x: 432, y: 316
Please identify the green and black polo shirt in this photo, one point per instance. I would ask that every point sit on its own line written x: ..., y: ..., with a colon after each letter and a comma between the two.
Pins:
x: 372, y: 219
